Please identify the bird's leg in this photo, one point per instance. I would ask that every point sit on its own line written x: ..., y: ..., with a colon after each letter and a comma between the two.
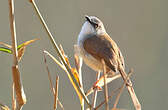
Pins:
x: 95, y: 91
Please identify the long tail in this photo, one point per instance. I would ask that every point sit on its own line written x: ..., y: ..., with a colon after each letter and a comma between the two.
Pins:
x: 130, y: 89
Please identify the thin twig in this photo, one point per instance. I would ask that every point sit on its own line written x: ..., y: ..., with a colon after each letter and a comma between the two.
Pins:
x: 57, y: 62
x: 121, y: 89
x: 109, y: 97
x: 59, y: 52
x: 105, y: 85
x: 95, y: 92
x: 49, y: 77
x: 62, y: 107
x: 56, y: 92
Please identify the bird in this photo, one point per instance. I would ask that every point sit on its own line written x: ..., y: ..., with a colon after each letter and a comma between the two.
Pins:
x: 98, y: 50
x: 94, y: 44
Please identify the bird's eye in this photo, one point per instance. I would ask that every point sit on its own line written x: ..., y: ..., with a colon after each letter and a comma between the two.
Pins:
x: 95, y: 25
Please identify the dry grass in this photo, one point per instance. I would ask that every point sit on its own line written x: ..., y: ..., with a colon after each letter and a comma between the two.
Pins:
x: 74, y: 75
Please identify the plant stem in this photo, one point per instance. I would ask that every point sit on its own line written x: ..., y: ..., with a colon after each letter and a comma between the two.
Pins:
x: 105, y: 85
x: 20, y: 96
x: 95, y: 91
x: 59, y: 52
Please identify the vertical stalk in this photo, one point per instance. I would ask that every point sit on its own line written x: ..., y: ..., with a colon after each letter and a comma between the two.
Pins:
x: 95, y: 91
x: 105, y: 85
x: 56, y: 92
x: 20, y: 96
x: 13, y: 32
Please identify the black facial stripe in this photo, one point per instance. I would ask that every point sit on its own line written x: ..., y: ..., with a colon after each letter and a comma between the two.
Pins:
x: 94, y: 24
x: 87, y: 19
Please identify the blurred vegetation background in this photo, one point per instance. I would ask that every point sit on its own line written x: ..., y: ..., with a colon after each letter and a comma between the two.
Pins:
x: 140, y: 28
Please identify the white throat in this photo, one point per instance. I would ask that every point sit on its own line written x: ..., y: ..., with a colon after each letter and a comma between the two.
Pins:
x: 87, y: 29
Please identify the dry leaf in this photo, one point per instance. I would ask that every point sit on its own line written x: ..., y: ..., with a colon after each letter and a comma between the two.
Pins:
x: 21, y: 53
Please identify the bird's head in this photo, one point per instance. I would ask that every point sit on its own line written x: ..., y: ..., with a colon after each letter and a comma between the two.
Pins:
x: 93, y: 25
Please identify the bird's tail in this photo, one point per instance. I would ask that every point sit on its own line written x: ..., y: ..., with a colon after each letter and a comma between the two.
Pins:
x: 130, y: 88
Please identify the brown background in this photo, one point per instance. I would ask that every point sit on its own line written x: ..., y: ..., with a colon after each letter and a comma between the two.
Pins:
x: 140, y: 28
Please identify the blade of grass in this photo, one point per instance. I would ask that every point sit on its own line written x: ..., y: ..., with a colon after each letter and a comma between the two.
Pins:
x: 6, y: 45
x: 26, y: 43
x: 7, y: 50
x: 58, y: 51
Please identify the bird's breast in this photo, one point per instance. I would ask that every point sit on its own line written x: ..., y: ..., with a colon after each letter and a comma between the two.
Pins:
x: 88, y: 58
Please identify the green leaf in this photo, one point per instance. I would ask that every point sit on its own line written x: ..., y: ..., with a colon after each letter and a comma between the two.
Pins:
x: 7, y: 50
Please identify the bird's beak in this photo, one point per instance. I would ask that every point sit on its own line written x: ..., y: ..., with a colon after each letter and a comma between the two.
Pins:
x: 87, y: 18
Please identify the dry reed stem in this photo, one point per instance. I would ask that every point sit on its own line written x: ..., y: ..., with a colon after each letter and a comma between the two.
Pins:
x: 50, y: 81
x: 78, y: 65
x: 95, y: 92
x: 79, y: 73
x: 13, y: 32
x: 59, y: 52
x: 20, y: 96
x: 113, y: 92
x: 57, y: 62
x: 49, y: 76
x: 109, y: 97
x: 105, y: 85
x: 13, y: 97
x: 131, y: 91
x: 56, y: 92
x: 122, y: 88
x: 78, y: 62
x: 60, y: 104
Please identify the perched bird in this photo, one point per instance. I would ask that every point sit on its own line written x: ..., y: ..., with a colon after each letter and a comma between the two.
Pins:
x: 94, y: 45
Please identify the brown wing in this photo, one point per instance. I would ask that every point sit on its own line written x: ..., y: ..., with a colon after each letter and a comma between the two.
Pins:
x: 103, y: 47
